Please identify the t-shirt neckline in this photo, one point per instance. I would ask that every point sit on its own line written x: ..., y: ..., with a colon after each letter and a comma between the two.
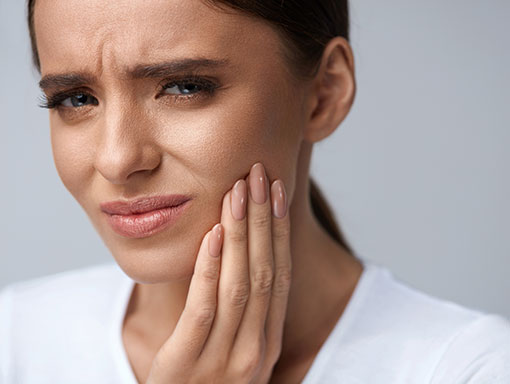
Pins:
x: 121, y: 303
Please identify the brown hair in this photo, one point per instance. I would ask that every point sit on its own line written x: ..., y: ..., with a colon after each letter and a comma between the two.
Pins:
x: 305, y: 27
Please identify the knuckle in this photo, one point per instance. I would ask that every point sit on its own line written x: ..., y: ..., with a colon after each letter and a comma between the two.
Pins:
x: 250, y: 365
x: 281, y: 231
x: 251, y: 361
x: 204, y: 316
x: 261, y: 221
x: 158, y: 362
x: 238, y: 295
x: 283, y: 280
x: 237, y: 235
x: 209, y: 273
x: 262, y: 280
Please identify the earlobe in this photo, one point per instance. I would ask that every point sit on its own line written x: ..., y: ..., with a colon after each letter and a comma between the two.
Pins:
x: 333, y: 90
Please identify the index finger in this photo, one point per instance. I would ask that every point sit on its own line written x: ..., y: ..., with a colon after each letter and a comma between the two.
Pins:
x: 193, y: 327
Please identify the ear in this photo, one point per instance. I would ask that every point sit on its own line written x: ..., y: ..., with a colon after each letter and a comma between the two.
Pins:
x: 332, y: 92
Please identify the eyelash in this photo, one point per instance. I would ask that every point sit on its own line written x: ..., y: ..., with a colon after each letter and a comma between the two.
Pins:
x: 207, y: 87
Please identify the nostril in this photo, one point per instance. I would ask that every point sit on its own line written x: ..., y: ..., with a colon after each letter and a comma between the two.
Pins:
x: 118, y: 164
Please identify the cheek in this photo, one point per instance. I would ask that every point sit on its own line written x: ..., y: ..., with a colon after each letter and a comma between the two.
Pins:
x: 72, y: 159
x: 221, y: 143
x: 263, y: 128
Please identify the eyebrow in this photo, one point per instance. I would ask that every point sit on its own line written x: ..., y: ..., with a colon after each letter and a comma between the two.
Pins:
x: 159, y: 70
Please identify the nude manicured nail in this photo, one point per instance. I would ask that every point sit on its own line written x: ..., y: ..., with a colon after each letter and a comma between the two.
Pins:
x: 279, y: 199
x: 215, y: 240
x: 239, y: 195
x: 258, y: 184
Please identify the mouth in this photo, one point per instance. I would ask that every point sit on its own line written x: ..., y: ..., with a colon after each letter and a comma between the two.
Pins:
x: 145, y: 217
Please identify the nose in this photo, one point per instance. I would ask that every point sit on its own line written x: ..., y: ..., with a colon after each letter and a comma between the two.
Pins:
x: 125, y: 146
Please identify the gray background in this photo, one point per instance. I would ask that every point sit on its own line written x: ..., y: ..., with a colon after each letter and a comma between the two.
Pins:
x: 418, y: 174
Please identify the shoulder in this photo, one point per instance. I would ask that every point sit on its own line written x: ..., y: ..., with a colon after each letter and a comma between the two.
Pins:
x: 478, y: 353
x: 404, y: 334
x: 95, y: 272
x: 77, y: 286
x: 402, y: 310
x: 466, y: 344
x: 59, y: 310
x: 89, y: 289
x: 45, y: 318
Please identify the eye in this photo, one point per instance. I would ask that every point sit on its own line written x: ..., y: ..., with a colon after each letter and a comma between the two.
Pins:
x: 78, y: 100
x: 71, y: 100
x: 189, y: 88
x: 186, y: 88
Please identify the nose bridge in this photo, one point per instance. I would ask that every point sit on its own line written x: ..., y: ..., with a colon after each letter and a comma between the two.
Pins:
x: 124, y: 145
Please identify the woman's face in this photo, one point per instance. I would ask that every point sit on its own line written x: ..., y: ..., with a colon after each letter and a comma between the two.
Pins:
x: 127, y: 136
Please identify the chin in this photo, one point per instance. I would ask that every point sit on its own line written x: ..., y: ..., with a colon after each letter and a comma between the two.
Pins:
x: 164, y: 257
x: 172, y: 263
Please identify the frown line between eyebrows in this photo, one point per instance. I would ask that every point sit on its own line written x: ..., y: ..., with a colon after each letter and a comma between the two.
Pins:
x: 157, y: 70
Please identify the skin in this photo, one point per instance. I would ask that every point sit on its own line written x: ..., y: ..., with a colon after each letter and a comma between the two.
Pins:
x: 141, y: 141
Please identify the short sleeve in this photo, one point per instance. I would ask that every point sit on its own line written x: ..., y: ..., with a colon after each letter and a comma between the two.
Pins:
x: 5, y: 319
x: 478, y: 354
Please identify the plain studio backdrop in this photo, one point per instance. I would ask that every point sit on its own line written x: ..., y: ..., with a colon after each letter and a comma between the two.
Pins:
x: 418, y: 173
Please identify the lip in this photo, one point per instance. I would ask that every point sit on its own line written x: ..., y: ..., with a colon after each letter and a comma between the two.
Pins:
x: 143, y: 204
x: 145, y: 216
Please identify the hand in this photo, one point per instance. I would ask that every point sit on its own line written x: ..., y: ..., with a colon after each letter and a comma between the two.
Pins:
x: 231, y: 332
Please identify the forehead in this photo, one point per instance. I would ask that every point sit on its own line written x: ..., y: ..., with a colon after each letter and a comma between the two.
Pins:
x: 98, y: 35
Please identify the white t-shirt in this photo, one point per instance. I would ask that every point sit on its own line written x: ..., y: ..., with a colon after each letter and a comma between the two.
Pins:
x: 66, y: 328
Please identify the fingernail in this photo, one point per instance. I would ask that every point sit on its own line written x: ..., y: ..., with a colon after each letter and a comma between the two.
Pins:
x: 279, y: 198
x: 239, y: 200
x: 258, y: 184
x: 215, y: 240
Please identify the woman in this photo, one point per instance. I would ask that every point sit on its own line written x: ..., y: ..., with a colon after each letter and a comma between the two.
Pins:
x: 185, y: 129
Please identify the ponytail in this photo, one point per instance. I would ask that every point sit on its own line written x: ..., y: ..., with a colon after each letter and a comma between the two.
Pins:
x: 322, y: 211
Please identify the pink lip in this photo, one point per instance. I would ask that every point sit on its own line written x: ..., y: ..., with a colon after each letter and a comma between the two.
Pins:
x: 146, y: 216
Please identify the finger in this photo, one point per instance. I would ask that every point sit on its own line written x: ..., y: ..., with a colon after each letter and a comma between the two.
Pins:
x: 194, y: 324
x: 250, y: 339
x: 233, y: 287
x: 283, y: 269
